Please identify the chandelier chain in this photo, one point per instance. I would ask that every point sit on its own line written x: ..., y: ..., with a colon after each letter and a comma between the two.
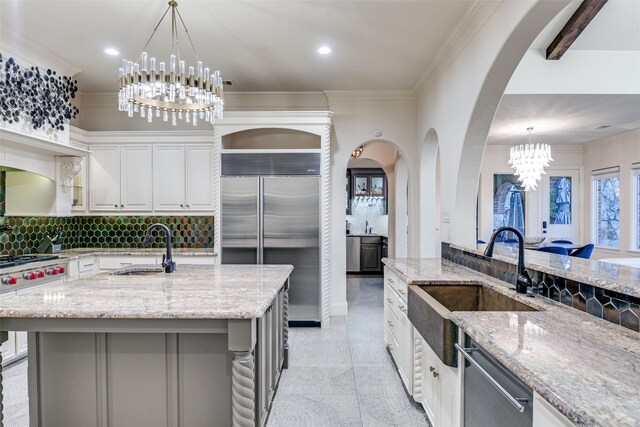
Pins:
x: 153, y: 33
x: 188, y: 35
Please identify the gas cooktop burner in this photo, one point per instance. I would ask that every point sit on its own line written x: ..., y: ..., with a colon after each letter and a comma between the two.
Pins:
x: 12, y: 261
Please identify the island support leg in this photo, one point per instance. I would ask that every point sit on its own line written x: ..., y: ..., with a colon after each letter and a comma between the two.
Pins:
x: 4, y: 336
x: 285, y: 332
x: 242, y: 340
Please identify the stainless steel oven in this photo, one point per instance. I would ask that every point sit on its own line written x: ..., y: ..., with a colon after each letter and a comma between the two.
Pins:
x: 26, y: 271
x: 493, y: 396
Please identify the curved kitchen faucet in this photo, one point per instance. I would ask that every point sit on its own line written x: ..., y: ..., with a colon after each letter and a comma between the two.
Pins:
x: 524, y: 280
x: 167, y: 260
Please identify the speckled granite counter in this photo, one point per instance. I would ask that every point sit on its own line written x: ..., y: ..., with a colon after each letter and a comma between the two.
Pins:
x: 585, y: 367
x: 193, y: 292
x: 84, y: 252
x: 613, y: 277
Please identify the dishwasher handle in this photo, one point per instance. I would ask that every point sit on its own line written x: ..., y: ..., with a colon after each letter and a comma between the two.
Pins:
x: 515, y: 401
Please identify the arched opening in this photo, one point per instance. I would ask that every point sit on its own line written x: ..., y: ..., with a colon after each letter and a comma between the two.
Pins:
x: 491, y: 90
x: 376, y: 202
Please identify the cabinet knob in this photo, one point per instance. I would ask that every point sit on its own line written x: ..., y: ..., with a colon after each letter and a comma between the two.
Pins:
x: 188, y: 206
x: 115, y: 206
x: 122, y: 206
x: 182, y: 206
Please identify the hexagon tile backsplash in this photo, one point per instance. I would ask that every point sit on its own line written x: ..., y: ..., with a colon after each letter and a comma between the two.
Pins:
x: 105, y: 232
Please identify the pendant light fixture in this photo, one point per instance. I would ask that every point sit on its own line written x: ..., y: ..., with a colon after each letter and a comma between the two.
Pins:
x: 529, y: 161
x: 176, y: 92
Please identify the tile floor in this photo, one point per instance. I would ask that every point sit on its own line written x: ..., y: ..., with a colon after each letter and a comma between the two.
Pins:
x: 339, y: 375
x: 342, y: 375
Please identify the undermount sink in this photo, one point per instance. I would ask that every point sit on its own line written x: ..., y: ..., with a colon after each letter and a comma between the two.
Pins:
x: 473, y: 298
x: 137, y: 271
x: 430, y: 308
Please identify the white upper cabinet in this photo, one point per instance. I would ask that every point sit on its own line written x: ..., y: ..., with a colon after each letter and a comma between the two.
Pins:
x: 135, y: 177
x: 199, y: 191
x: 105, y: 178
x: 120, y: 178
x: 168, y: 177
x: 183, y: 178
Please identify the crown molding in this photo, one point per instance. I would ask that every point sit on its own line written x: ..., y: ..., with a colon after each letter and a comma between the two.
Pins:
x: 473, y: 20
x: 370, y: 97
x: 30, y: 53
x: 138, y: 137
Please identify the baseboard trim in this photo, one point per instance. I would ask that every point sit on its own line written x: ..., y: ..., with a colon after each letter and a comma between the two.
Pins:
x: 339, y: 309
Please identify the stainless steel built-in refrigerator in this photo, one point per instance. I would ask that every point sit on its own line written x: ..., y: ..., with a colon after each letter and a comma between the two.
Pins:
x: 271, y: 215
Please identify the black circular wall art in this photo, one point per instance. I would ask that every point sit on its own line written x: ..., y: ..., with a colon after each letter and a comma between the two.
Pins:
x: 41, y: 97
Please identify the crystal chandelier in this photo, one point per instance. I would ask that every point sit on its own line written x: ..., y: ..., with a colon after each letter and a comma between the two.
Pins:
x: 149, y: 88
x: 529, y: 162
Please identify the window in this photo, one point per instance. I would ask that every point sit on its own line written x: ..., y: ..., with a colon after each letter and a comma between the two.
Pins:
x: 606, y: 207
x: 560, y: 199
x: 508, y: 204
x: 635, y: 204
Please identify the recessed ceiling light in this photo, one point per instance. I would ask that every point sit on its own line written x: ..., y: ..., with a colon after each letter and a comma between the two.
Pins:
x: 324, y: 50
x: 111, y: 51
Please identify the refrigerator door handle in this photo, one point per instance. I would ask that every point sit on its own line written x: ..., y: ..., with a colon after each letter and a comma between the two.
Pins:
x: 260, y: 258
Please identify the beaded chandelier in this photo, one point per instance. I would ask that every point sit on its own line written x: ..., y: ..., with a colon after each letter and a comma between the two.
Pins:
x: 529, y: 161
x: 185, y: 93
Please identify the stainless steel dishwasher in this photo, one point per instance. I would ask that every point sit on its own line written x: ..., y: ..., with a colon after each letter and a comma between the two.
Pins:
x: 493, y: 396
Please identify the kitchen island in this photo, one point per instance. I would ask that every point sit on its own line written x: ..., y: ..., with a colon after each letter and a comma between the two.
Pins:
x: 142, y: 347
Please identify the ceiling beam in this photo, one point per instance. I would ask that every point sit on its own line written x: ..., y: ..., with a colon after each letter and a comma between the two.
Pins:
x: 574, y: 27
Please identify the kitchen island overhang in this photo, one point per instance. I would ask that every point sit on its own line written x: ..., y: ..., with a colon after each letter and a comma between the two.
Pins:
x: 203, y: 346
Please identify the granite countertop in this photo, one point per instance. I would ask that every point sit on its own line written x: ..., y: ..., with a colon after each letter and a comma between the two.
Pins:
x: 84, y: 252
x: 584, y: 366
x: 192, y: 292
x: 365, y: 235
x: 613, y: 277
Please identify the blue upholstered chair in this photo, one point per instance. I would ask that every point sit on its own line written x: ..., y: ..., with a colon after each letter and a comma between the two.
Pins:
x: 583, y: 252
x: 562, y: 241
x: 480, y: 242
x: 554, y: 250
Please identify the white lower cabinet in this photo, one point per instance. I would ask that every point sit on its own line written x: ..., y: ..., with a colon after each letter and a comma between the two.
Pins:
x: 545, y: 415
x: 398, y: 328
x: 82, y: 267
x: 438, y: 388
x: 115, y: 262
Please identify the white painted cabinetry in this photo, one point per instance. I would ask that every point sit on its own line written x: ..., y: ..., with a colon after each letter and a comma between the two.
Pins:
x: 438, y: 387
x: 121, y: 178
x: 183, y: 177
x: 545, y: 415
x: 398, y: 329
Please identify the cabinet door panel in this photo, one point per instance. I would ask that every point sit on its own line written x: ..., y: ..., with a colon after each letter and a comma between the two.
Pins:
x: 199, y: 176
x: 370, y: 257
x: 136, y: 166
x: 168, y: 178
x: 104, y: 180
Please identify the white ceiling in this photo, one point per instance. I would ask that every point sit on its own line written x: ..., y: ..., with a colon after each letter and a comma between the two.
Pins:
x: 378, y: 45
x: 573, y: 118
x: 260, y: 45
x: 563, y: 119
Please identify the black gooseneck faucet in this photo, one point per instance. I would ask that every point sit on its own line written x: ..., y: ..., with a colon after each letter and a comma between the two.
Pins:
x: 167, y: 260
x: 524, y: 280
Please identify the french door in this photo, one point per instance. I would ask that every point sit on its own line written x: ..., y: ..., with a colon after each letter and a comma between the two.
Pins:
x: 561, y: 211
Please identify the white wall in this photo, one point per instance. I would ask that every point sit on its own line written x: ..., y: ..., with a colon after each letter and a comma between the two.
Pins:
x: 620, y: 150
x: 459, y: 101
